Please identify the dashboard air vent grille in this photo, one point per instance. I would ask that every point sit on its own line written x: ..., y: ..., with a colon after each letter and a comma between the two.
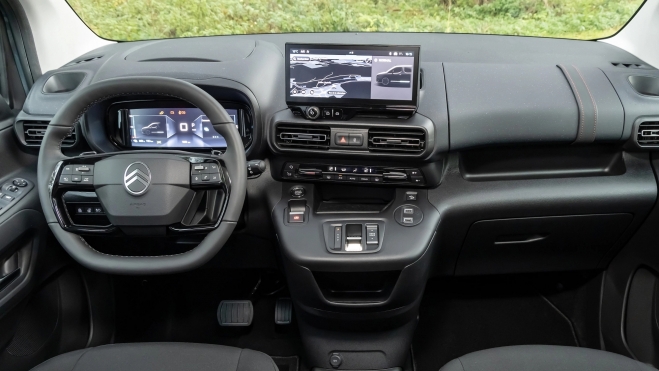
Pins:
x: 303, y: 136
x: 83, y: 61
x: 648, y: 133
x: 396, y: 140
x: 34, y: 132
x: 628, y: 65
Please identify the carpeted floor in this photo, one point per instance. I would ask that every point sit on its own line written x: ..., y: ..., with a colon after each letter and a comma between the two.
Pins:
x: 459, y: 316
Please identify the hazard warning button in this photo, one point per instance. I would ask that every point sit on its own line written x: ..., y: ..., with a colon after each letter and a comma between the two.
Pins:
x: 342, y: 139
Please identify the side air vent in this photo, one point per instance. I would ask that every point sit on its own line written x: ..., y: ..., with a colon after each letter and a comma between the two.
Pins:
x: 34, y: 131
x: 83, y: 61
x: 396, y: 140
x: 303, y: 136
x: 648, y: 134
x: 629, y: 65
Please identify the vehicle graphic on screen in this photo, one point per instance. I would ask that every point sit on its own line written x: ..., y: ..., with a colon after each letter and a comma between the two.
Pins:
x: 153, y: 127
x: 395, y: 76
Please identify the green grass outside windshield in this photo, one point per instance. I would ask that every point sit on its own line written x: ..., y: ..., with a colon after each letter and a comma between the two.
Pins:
x: 128, y: 20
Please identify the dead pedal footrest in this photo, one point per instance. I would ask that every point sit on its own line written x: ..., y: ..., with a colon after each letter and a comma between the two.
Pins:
x: 283, y: 311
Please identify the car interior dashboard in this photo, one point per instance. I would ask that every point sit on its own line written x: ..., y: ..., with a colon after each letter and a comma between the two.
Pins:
x: 373, y: 165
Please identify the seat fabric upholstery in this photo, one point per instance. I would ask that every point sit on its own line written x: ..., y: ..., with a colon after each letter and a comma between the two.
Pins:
x: 544, y: 358
x: 160, y: 357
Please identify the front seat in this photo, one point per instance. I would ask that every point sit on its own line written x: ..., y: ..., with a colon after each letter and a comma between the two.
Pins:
x: 544, y: 358
x: 160, y: 357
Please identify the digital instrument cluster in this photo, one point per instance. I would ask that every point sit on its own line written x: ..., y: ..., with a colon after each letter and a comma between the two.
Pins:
x: 174, y: 128
x: 172, y: 124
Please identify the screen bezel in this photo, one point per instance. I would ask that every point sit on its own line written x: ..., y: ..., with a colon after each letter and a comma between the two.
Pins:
x: 342, y: 102
x: 121, y: 136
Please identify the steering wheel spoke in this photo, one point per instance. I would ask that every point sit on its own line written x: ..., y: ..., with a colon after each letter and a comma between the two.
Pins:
x: 154, y: 192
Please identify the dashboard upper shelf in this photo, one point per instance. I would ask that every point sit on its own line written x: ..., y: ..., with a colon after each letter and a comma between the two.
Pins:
x: 475, y: 90
x: 505, y: 104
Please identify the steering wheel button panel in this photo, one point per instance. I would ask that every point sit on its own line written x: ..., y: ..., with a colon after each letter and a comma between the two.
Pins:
x: 207, y: 173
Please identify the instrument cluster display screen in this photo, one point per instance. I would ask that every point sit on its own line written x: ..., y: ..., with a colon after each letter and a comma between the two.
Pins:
x: 335, y: 74
x: 174, y: 128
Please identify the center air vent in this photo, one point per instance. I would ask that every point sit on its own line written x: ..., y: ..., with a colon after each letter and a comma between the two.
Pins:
x: 648, y: 134
x: 303, y: 136
x: 34, y: 131
x: 396, y: 140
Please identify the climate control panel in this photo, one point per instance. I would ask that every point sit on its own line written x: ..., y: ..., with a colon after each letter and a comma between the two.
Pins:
x: 353, y: 174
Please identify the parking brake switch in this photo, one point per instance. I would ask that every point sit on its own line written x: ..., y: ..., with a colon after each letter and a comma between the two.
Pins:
x: 296, y: 211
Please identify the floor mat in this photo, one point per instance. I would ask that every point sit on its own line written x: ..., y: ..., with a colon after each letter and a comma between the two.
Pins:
x: 182, y: 308
x: 459, y: 316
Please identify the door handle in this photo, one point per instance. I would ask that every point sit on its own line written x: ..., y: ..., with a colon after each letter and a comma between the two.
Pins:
x: 520, y: 239
x: 9, y: 271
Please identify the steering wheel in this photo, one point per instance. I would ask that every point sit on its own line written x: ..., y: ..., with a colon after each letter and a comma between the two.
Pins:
x: 142, y: 189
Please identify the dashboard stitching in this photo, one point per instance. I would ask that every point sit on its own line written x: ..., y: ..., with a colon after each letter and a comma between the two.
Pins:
x: 581, y: 108
x: 124, y: 256
x: 591, y: 98
x: 59, y: 147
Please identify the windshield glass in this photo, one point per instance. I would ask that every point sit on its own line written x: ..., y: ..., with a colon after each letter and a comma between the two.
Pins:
x: 158, y: 19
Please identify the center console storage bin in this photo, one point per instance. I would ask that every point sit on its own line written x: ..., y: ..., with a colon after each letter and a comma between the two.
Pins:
x: 356, y: 286
x: 539, y: 244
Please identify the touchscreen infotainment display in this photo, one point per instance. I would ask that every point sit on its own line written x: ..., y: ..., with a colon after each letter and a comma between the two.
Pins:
x: 334, y: 74
x: 174, y: 128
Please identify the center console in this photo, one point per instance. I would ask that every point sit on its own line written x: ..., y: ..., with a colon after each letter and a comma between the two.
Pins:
x: 352, y: 217
x: 357, y: 261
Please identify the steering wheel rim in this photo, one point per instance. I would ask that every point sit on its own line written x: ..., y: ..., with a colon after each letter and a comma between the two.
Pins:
x: 51, y: 155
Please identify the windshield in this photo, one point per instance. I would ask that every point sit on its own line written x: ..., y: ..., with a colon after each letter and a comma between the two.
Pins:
x: 127, y: 20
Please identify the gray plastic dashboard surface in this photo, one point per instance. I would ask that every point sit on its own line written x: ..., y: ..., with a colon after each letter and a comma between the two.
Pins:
x: 491, y: 103
x: 258, y: 67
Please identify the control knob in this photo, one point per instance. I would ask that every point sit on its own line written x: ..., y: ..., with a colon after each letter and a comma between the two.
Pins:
x: 313, y: 112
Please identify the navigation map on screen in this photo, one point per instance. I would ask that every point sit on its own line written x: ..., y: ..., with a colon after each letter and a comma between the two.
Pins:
x: 354, y: 74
